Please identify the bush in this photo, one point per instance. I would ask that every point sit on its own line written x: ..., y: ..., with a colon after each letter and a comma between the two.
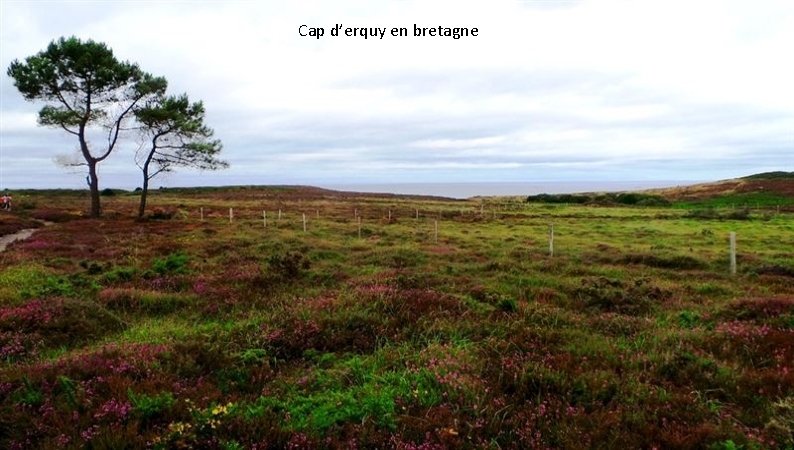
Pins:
x: 107, y: 192
x: 175, y: 263
x: 119, y: 274
x: 148, y: 302
x: 162, y: 214
x: 775, y: 269
x: 149, y: 407
x: 633, y: 298
x: 60, y: 321
x: 287, y: 266
x: 666, y: 262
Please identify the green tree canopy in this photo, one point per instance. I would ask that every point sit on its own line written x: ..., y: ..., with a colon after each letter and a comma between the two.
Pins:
x: 85, y: 88
x: 174, y: 135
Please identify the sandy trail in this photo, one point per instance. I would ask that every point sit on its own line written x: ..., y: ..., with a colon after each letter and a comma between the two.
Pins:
x: 20, y: 235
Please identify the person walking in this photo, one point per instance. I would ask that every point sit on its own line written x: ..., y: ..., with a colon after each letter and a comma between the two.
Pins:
x: 5, y: 202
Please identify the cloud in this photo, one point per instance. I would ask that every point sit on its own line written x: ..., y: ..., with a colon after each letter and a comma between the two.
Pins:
x: 549, y: 90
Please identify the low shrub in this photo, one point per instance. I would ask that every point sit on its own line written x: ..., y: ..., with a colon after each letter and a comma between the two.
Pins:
x: 150, y: 406
x: 59, y: 321
x: 287, y: 266
x: 145, y: 301
x: 776, y: 269
x: 119, y: 274
x: 759, y: 308
x: 175, y: 263
x: 635, y: 297
x: 162, y: 214
x: 683, y: 262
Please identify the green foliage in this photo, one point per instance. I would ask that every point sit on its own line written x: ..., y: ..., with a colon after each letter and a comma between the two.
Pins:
x: 18, y: 283
x: 635, y: 298
x: 148, y: 407
x: 779, y: 175
x: 737, y: 200
x: 622, y: 198
x: 29, y: 395
x: 145, y: 301
x: 48, y: 286
x: 119, y: 274
x: 287, y: 266
x: 232, y: 445
x: 683, y: 262
x: 353, y: 390
x: 254, y: 356
x: 69, y: 389
x: 401, y: 258
x: 84, y: 86
x: 688, y: 319
x: 174, y: 263
x: 508, y: 304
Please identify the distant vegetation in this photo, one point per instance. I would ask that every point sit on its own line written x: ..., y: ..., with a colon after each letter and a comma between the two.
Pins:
x: 621, y: 198
x: 779, y: 175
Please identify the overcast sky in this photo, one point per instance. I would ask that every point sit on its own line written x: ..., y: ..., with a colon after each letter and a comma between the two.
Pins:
x: 548, y: 90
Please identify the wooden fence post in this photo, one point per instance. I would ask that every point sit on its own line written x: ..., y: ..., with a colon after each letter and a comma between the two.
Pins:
x: 551, y: 240
x: 733, y: 252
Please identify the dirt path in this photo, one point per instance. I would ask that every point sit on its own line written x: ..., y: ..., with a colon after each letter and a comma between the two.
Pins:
x: 20, y: 235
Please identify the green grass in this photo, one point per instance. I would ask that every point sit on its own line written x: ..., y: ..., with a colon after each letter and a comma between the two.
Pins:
x: 633, y: 334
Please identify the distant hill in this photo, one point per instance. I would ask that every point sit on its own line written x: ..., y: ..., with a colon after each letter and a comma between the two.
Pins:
x: 770, y: 176
x: 762, y: 189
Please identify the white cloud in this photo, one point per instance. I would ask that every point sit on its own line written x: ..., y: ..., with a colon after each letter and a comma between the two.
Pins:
x: 613, y: 83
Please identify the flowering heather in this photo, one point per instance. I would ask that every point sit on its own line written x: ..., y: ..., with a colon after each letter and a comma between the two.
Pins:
x: 35, y: 312
x: 113, y: 410
x: 743, y: 330
x: 182, y: 333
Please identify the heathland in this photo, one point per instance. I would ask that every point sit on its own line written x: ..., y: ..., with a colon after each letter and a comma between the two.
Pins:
x: 398, y: 322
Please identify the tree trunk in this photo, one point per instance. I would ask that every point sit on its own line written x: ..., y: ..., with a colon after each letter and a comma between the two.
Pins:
x: 93, y: 184
x: 145, y: 191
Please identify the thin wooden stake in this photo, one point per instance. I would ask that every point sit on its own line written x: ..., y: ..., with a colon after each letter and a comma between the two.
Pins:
x: 304, y: 222
x: 202, y: 213
x: 264, y: 218
x: 551, y: 240
x: 733, y: 252
x: 355, y: 212
x: 389, y: 215
x: 231, y: 215
x: 279, y: 214
x: 417, y: 213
